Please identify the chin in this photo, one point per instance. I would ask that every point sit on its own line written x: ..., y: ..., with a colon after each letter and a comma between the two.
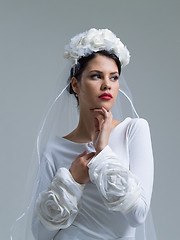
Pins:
x: 107, y: 106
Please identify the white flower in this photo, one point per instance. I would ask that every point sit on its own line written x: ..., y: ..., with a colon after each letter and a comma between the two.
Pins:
x: 58, y: 207
x: 95, y: 40
x: 120, y: 189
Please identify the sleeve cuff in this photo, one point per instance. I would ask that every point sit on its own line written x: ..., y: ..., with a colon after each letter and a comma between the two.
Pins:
x: 119, y: 188
x: 106, y: 152
x: 63, y: 179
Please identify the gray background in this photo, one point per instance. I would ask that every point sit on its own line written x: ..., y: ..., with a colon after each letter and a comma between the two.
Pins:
x: 32, y: 36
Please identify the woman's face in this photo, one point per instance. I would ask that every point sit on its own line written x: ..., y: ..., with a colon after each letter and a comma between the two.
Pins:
x: 100, y: 76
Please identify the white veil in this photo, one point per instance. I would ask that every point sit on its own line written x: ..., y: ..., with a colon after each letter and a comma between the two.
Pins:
x: 61, y: 118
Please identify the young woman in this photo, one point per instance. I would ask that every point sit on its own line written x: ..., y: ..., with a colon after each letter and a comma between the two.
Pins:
x: 95, y: 182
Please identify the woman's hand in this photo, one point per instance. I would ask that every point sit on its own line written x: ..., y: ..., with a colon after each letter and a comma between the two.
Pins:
x: 79, y: 169
x: 102, y: 133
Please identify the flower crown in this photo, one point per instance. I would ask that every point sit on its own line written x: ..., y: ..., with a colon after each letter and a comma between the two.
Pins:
x: 95, y: 40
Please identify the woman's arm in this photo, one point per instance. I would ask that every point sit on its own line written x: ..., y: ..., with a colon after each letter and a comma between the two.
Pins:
x: 58, y: 196
x: 122, y: 189
x: 141, y: 165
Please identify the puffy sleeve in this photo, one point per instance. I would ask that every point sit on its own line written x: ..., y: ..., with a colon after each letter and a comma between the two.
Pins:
x: 57, y: 203
x: 123, y: 189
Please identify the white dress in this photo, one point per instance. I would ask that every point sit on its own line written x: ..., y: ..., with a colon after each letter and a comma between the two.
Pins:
x: 115, y: 200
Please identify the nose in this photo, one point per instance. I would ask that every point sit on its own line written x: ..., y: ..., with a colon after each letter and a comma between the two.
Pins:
x: 106, y: 84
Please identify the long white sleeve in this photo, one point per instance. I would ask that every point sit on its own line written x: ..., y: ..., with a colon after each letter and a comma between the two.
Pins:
x: 56, y: 206
x: 123, y: 174
x: 126, y: 189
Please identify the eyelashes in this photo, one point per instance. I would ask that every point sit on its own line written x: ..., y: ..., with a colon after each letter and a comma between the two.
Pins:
x: 116, y: 77
x: 97, y: 76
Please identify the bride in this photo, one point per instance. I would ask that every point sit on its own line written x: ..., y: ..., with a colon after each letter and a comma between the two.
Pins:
x: 95, y: 182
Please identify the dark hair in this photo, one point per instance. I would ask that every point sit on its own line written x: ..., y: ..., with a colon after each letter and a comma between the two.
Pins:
x: 77, y: 70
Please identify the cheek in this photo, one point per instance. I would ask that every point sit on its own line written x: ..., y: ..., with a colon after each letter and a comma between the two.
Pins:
x: 87, y: 87
x: 116, y: 89
x: 87, y: 90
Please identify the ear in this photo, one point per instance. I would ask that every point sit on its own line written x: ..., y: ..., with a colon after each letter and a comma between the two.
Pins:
x: 75, y: 85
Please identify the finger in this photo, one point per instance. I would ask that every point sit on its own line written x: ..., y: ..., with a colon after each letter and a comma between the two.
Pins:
x: 96, y: 129
x: 96, y: 124
x: 89, y: 156
x: 82, y: 154
x: 106, y: 112
x: 103, y: 111
x: 97, y: 110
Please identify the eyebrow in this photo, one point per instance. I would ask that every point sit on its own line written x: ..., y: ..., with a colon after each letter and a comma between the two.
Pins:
x: 102, y: 72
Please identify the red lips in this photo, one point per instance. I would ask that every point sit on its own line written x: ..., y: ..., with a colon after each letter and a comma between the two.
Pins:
x: 106, y: 96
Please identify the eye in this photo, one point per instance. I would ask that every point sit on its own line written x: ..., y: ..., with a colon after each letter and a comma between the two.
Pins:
x: 95, y: 76
x: 115, y: 78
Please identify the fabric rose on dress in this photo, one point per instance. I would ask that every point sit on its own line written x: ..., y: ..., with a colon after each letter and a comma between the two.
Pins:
x: 58, y: 207
x: 95, y: 40
x: 120, y: 189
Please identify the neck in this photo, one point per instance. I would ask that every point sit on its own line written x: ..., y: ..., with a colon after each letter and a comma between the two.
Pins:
x: 85, y: 129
